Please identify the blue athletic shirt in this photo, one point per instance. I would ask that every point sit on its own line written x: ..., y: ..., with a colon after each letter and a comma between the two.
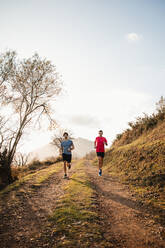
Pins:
x: 66, y: 144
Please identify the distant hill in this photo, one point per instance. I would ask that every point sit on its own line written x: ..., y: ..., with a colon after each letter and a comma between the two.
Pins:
x: 82, y: 147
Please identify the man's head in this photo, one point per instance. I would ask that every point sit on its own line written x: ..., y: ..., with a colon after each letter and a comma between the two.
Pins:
x: 100, y: 133
x: 65, y: 135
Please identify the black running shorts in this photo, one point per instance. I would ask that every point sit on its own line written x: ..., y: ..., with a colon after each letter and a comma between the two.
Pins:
x: 100, y: 154
x: 67, y: 157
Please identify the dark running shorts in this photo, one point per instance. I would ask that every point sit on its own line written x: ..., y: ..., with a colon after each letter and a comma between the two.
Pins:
x: 67, y: 157
x: 100, y: 154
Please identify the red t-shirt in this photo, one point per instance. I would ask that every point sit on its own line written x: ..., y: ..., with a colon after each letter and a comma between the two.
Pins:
x: 99, y: 141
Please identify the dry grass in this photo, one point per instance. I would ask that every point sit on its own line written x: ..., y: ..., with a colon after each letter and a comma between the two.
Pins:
x: 19, y: 172
x: 142, y: 125
x: 141, y: 164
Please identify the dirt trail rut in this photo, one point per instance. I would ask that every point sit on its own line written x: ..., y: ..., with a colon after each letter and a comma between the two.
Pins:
x: 123, y: 220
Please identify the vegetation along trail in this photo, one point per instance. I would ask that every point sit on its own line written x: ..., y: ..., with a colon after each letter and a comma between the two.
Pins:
x: 125, y: 222
x: 45, y: 210
x: 26, y: 205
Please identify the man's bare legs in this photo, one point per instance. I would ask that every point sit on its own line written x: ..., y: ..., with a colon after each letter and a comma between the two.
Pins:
x: 65, y: 169
x: 69, y: 165
x: 66, y: 165
x: 100, y: 165
x: 100, y: 162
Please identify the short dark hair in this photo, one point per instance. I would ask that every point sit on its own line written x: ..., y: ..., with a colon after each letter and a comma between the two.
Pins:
x: 65, y: 133
x: 101, y: 131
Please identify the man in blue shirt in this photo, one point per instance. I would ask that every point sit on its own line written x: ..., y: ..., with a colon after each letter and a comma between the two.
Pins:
x: 66, y: 147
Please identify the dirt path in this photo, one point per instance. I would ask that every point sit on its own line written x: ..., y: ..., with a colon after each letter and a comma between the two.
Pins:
x: 124, y: 222
x: 25, y: 211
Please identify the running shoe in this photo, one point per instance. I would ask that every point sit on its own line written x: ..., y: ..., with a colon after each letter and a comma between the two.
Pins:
x: 100, y: 172
x: 69, y: 166
x: 65, y: 176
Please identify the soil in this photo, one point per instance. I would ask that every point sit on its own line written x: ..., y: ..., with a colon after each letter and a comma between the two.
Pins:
x: 124, y: 220
x: 24, y: 213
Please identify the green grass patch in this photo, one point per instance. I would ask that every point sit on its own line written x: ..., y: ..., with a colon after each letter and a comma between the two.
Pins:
x: 75, y: 219
x: 44, y: 174
x: 37, y: 177
x: 17, y: 183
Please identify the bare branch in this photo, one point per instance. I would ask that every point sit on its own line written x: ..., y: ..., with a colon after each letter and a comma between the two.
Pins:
x: 30, y: 87
x: 58, y: 137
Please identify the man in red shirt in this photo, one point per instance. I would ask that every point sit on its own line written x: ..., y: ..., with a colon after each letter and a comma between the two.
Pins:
x: 99, y: 144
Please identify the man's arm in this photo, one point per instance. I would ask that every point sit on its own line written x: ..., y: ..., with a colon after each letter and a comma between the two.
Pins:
x: 105, y: 142
x: 72, y: 146
x: 95, y: 144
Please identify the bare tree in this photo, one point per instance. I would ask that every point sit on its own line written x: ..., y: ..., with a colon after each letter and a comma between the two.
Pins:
x: 21, y: 159
x: 160, y: 106
x: 58, y: 137
x: 31, y: 87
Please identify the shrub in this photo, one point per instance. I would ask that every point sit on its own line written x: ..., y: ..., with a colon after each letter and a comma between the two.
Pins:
x: 35, y: 164
x: 52, y: 160
x: 90, y: 156
x: 142, y: 125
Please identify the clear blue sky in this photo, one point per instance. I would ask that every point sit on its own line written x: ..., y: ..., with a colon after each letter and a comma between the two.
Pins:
x: 110, y: 52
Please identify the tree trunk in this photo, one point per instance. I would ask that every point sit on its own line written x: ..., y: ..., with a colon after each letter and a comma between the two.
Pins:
x: 8, y: 173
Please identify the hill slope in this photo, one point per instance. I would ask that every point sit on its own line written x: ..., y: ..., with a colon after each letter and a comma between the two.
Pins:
x: 141, y: 164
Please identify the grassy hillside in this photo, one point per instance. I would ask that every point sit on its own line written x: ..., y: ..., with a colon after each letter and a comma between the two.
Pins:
x: 141, y: 164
